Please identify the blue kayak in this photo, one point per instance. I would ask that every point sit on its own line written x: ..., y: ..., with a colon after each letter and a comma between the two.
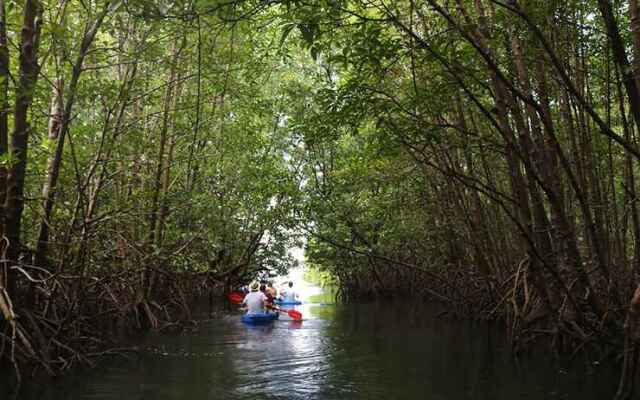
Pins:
x: 288, y: 302
x: 259, y: 318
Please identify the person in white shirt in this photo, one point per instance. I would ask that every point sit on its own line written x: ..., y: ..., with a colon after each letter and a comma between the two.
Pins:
x: 255, y: 300
x: 289, y: 294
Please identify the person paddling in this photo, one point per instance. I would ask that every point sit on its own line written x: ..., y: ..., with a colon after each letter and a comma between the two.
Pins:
x: 268, y: 295
x: 255, y: 300
x: 290, y: 295
x: 272, y: 290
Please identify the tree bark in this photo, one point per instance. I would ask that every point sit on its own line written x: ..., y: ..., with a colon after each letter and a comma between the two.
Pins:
x: 4, y: 134
x: 154, y: 226
x: 4, y: 106
x: 53, y: 170
x: 18, y: 146
x: 53, y: 164
x: 634, y: 24
x: 620, y: 56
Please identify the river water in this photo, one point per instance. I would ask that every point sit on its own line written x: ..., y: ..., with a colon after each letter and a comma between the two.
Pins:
x: 368, y: 351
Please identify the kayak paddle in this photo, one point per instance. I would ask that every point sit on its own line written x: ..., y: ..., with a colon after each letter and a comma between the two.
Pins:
x: 236, y: 297
x: 297, y: 315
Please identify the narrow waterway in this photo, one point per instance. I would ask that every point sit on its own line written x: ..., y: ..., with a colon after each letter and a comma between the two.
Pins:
x: 373, y: 351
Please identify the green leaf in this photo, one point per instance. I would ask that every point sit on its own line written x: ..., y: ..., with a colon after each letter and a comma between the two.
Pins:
x: 286, y: 30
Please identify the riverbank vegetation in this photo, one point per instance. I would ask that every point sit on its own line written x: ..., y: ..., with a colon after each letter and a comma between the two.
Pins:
x: 142, y: 166
x: 482, y: 153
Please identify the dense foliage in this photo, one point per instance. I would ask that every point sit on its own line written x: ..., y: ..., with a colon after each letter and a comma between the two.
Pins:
x: 150, y: 166
x: 482, y: 153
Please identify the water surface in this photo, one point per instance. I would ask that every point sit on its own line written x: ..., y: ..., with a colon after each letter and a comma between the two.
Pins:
x: 373, y: 351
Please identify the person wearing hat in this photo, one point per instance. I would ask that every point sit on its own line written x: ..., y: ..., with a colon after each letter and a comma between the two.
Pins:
x: 255, y: 300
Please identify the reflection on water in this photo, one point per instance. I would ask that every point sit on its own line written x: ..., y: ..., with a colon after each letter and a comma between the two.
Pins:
x: 338, y: 352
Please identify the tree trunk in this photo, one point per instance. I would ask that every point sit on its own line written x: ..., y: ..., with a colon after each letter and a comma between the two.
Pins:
x: 53, y: 170
x: 18, y: 147
x: 149, y: 275
x: 4, y: 106
x: 620, y: 56
x: 154, y: 231
x: 166, y: 173
x: 53, y: 163
x: 4, y: 133
x: 634, y: 15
